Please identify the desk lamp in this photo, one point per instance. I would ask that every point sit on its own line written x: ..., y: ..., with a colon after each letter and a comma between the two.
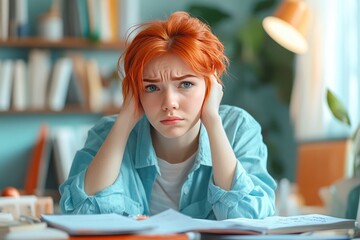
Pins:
x: 288, y: 25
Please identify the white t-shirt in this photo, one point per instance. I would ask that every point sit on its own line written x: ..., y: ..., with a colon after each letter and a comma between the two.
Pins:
x: 167, y: 187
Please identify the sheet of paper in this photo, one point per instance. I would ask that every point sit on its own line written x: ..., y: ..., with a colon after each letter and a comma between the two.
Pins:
x: 96, y: 224
x: 277, y: 237
x: 171, y: 221
x: 6, y: 217
x: 286, y: 222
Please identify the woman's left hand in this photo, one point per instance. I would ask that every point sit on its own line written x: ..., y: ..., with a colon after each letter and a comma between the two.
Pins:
x: 210, y: 109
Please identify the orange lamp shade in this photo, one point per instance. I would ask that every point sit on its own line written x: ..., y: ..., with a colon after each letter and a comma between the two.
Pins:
x: 288, y: 25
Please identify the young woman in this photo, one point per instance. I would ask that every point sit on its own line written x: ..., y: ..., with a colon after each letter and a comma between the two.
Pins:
x: 172, y: 145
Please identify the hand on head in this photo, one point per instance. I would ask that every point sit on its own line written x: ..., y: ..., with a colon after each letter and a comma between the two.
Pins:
x: 211, y: 105
x: 130, y: 108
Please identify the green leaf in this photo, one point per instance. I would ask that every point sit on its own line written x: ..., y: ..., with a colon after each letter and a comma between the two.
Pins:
x: 210, y: 15
x: 251, y: 37
x: 337, y: 108
x: 263, y: 6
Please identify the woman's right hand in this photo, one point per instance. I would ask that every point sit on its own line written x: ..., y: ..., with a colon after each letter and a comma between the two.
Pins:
x: 104, y: 168
x: 129, y: 109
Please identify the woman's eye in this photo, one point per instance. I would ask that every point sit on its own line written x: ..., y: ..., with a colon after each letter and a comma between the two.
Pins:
x: 186, y: 84
x: 151, y: 88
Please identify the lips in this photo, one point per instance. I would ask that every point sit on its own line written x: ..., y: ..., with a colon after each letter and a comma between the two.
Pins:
x: 171, y: 120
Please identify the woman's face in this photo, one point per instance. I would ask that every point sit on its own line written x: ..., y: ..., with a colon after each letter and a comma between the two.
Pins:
x: 173, y: 95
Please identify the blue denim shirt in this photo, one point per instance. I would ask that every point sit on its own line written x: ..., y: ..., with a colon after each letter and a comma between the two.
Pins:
x: 252, y: 193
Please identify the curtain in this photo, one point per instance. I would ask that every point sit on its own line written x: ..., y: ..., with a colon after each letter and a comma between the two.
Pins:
x: 332, y: 62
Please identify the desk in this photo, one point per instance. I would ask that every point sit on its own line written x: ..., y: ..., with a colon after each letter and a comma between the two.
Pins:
x: 52, y: 233
x: 134, y: 237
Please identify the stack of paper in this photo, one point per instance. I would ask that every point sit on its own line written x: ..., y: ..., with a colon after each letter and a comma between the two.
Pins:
x: 96, y: 224
x: 170, y: 221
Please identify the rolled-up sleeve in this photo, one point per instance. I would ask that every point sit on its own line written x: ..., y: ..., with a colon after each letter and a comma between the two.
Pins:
x: 252, y: 194
x: 74, y: 199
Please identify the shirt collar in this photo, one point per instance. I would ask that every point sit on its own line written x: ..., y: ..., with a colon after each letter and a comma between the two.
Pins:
x: 145, y: 152
x: 204, y: 151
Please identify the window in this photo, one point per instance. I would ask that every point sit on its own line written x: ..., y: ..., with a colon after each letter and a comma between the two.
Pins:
x: 333, y: 61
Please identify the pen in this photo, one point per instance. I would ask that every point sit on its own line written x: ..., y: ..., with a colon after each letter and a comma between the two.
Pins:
x: 28, y: 219
x: 140, y: 217
x: 136, y: 217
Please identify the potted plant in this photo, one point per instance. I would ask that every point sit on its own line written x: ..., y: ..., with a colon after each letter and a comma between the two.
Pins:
x: 339, y: 112
x: 343, y: 196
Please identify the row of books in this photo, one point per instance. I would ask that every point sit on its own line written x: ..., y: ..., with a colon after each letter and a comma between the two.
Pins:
x: 57, y: 144
x: 39, y: 85
x: 97, y: 19
x: 14, y: 22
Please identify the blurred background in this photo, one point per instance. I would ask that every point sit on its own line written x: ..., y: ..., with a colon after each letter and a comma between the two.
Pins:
x: 60, y: 62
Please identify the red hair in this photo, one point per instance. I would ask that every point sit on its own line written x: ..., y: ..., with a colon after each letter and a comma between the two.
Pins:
x: 182, y: 35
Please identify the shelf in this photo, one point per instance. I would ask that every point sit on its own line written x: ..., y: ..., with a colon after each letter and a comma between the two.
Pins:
x: 69, y: 43
x: 68, y: 110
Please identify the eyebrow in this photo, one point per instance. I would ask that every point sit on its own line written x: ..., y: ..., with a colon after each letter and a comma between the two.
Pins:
x: 173, y: 78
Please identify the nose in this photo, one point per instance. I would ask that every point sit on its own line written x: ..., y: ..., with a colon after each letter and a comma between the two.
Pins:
x: 170, y: 101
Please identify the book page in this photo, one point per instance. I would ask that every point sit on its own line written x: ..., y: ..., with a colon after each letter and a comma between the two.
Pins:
x: 95, y: 224
x: 171, y: 221
x: 276, y: 222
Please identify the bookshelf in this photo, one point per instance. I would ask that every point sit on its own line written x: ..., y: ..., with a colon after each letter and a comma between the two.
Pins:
x: 91, y: 30
x: 19, y: 126
x: 65, y: 43
x: 54, y: 50
x: 70, y: 109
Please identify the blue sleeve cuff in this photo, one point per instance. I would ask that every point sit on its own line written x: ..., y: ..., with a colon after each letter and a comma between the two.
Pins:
x: 240, y: 188
x: 74, y: 199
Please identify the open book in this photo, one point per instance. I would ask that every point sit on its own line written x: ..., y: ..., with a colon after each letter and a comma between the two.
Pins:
x: 292, y: 224
x: 170, y: 221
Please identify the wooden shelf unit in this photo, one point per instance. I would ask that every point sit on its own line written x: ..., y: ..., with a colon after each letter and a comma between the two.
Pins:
x: 69, y: 109
x: 69, y: 43
x: 65, y: 43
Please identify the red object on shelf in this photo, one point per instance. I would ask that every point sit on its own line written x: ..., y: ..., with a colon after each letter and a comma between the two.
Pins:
x: 36, y: 161
x: 10, y: 192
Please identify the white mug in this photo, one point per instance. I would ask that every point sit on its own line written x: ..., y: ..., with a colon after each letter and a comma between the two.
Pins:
x: 51, y: 27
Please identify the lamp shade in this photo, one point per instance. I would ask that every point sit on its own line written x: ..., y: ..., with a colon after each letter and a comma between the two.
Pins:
x: 288, y: 25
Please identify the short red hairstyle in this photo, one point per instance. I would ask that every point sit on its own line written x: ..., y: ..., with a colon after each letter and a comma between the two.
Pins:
x: 180, y: 34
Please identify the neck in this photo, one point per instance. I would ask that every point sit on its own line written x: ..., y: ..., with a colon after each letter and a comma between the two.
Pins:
x: 179, y: 149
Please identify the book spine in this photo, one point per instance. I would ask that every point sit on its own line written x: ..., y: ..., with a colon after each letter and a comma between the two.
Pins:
x: 4, y: 19
x: 113, y: 15
x: 59, y: 84
x: 104, y: 20
x: 129, y: 16
x: 21, y: 16
x: 19, y: 90
x: 80, y: 78
x: 6, y: 79
x: 12, y: 19
x: 93, y: 14
x: 39, y: 74
x: 95, y: 85
x: 83, y: 18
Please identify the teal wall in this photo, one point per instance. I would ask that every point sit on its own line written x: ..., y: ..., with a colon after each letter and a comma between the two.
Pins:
x: 18, y: 131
